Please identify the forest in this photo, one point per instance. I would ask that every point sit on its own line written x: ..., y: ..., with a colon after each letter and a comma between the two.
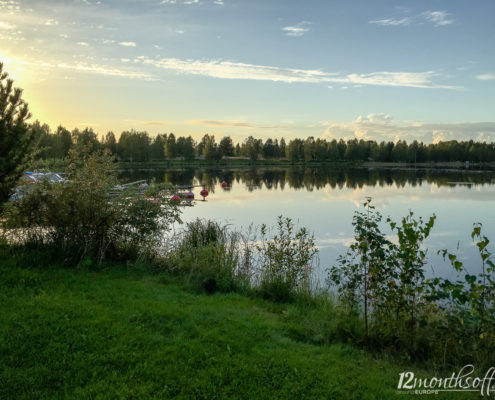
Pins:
x: 140, y: 146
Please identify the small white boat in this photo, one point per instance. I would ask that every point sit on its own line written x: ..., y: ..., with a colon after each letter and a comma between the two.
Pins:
x: 32, y: 178
x: 36, y: 177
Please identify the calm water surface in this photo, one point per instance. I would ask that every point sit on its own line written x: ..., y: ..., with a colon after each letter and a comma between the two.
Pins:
x: 324, y: 200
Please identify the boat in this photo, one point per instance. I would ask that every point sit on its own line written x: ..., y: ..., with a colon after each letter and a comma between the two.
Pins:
x: 32, y: 178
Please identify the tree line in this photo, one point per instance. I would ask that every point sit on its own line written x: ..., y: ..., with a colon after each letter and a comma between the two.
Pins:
x: 139, y: 146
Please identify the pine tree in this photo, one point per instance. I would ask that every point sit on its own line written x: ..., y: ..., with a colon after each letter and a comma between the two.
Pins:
x: 15, y: 135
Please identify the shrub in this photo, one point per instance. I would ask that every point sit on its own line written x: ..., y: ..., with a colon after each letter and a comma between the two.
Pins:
x: 285, y: 261
x: 469, y: 304
x: 383, y: 283
x: 89, y: 216
x: 364, y: 273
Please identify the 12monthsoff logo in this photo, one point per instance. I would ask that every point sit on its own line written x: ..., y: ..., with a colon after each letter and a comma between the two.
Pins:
x: 463, y: 381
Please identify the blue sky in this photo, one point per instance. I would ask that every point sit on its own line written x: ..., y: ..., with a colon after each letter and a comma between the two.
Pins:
x: 383, y: 70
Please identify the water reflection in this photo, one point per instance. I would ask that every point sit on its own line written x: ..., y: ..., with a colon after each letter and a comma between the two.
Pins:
x: 324, y: 200
x: 311, y: 179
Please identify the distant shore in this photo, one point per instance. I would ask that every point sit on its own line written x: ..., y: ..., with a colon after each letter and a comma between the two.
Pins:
x: 243, y: 162
x: 246, y: 163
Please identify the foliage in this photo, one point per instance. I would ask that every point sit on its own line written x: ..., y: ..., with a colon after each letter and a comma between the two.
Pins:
x: 133, y: 146
x: 15, y: 135
x: 383, y: 282
x: 251, y: 148
x: 226, y: 147
x: 285, y: 261
x: 110, y: 143
x: 364, y: 274
x: 210, y: 148
x: 404, y: 303
x: 211, y: 256
x: 85, y: 142
x: 89, y: 216
x: 475, y: 291
x: 471, y: 298
x: 295, y: 150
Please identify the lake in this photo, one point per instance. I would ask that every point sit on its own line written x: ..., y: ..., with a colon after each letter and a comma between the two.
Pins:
x: 324, y: 200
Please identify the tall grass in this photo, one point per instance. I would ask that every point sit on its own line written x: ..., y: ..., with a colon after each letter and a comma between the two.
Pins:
x: 213, y: 257
x: 210, y: 257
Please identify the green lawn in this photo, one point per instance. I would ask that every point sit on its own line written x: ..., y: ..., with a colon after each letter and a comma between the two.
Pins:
x: 120, y: 334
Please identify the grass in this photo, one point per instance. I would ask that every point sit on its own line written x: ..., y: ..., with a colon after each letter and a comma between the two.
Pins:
x: 122, y: 333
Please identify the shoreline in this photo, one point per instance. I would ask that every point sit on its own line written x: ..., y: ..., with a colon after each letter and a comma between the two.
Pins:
x: 59, y: 164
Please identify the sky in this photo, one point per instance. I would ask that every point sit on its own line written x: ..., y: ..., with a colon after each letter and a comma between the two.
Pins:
x: 380, y: 70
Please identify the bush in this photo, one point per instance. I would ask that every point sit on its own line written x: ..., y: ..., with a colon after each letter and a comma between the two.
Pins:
x: 89, y: 217
x: 382, y: 282
x: 286, y: 261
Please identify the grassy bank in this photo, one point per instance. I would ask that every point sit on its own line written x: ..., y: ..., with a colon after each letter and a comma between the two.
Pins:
x: 122, y: 332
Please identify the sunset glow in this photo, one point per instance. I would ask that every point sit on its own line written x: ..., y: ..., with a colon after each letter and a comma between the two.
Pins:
x: 412, y: 70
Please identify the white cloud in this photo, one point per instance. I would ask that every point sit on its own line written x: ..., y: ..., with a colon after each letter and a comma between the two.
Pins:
x: 235, y: 70
x: 234, y: 124
x: 104, y: 70
x: 153, y: 122
x: 38, y: 69
x: 64, y: 36
x: 51, y: 22
x: 383, y: 127
x: 128, y: 44
x: 84, y: 44
x: 391, y: 21
x: 187, y: 2
x: 437, y: 18
x: 404, y: 79
x: 485, y: 77
x: 6, y: 26
x: 297, y: 30
x: 219, y: 2
x: 10, y: 6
